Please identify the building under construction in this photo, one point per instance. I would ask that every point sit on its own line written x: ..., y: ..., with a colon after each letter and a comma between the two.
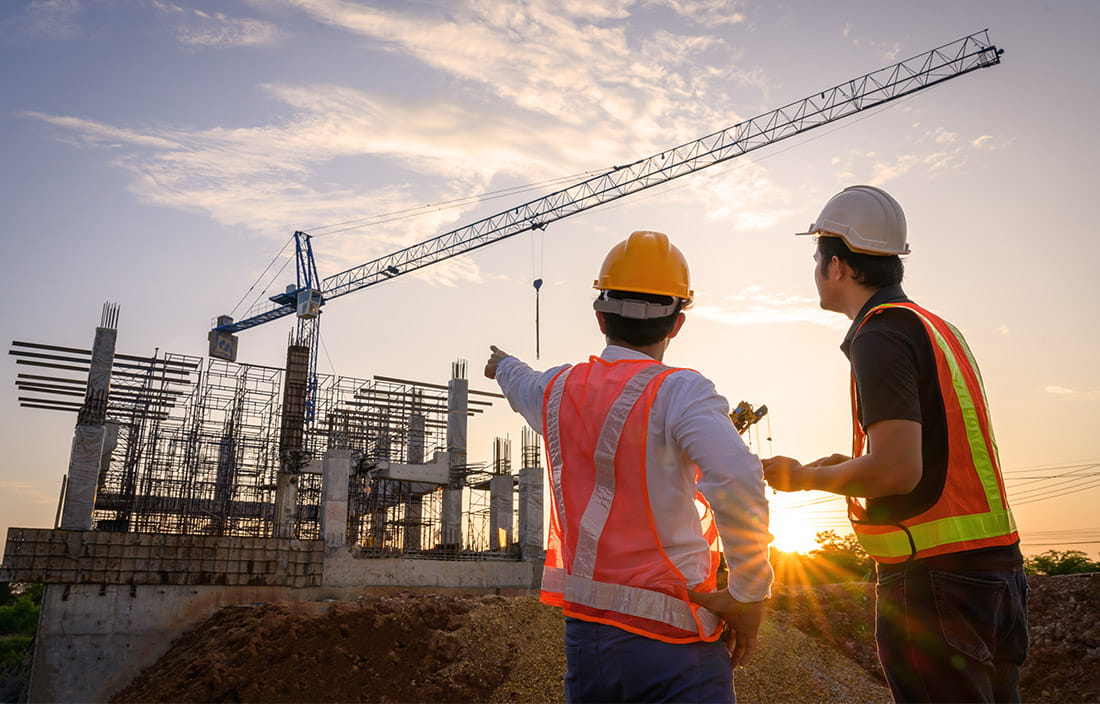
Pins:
x: 174, y: 444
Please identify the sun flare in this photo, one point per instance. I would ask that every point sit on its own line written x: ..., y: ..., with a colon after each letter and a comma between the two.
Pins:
x: 793, y: 535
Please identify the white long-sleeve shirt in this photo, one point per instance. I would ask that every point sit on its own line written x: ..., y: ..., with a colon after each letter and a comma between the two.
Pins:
x: 689, y: 425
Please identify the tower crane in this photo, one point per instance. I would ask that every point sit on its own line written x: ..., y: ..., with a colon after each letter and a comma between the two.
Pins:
x: 306, y: 297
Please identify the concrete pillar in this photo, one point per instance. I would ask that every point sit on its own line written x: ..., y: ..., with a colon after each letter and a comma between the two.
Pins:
x: 530, y: 512
x: 414, y: 504
x: 80, y: 488
x: 335, y: 473
x: 458, y: 390
x: 86, y: 454
x: 290, y: 439
x: 103, y: 355
x: 414, y: 442
x: 414, y: 519
x: 451, y: 535
x: 500, y: 511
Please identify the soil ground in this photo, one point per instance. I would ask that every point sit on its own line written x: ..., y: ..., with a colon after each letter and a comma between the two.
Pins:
x: 816, y: 646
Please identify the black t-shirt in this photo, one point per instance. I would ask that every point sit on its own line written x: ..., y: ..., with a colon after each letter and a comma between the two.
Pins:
x: 896, y: 379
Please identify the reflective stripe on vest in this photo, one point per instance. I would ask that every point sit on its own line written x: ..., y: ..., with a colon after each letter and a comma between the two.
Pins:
x: 553, y: 439
x: 599, y: 505
x: 577, y: 585
x: 643, y: 603
x: 891, y: 542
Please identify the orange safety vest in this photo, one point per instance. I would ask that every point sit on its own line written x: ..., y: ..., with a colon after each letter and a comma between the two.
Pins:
x: 972, y: 511
x: 604, y: 560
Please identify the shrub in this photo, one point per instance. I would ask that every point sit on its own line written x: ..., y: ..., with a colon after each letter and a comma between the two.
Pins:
x: 20, y: 618
x: 1054, y: 562
x: 13, y: 650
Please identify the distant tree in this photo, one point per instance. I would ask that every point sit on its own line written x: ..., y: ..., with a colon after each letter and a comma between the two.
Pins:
x: 1054, y: 562
x: 845, y: 552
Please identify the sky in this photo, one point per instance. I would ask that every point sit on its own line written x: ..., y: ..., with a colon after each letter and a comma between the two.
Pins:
x: 160, y: 155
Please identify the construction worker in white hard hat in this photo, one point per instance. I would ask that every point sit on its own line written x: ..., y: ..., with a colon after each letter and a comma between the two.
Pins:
x: 651, y: 484
x: 925, y: 493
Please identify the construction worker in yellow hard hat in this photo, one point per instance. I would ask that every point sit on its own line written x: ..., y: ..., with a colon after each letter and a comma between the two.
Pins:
x: 925, y: 493
x: 650, y: 484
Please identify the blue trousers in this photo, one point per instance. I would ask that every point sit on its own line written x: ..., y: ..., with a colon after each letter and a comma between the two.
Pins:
x: 608, y: 664
x: 952, y: 636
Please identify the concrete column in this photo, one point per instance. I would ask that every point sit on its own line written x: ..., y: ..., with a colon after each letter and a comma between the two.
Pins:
x: 414, y: 442
x: 414, y: 518
x: 290, y: 439
x: 458, y: 390
x: 80, y: 488
x: 335, y: 472
x: 451, y: 536
x: 500, y: 511
x: 86, y: 454
x: 414, y: 505
x: 530, y: 512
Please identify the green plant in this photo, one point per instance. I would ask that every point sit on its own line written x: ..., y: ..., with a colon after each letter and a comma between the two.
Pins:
x: 20, y: 617
x: 13, y: 650
x: 1054, y: 562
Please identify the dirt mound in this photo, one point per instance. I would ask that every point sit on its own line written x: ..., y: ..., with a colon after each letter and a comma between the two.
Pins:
x: 405, y: 648
x: 816, y: 645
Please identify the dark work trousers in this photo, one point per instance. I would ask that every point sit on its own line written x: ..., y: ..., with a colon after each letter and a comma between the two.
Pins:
x: 952, y: 636
x: 607, y: 664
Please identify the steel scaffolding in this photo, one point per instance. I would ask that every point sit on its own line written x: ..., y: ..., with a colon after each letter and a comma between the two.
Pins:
x: 193, y: 447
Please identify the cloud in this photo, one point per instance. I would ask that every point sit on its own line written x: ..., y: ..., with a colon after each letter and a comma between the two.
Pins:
x: 201, y: 30
x: 991, y: 143
x: 935, y: 151
x: 548, y: 89
x: 753, y: 306
x: 1059, y: 390
x: 53, y: 19
x: 539, y: 57
x: 943, y: 136
x: 709, y: 12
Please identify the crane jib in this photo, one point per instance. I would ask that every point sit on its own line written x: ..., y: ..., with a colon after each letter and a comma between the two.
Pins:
x: 943, y: 63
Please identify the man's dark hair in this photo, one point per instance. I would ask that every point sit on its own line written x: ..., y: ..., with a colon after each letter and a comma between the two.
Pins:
x: 871, y: 270
x: 640, y: 333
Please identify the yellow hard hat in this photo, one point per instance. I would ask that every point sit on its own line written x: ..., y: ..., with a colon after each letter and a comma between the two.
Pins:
x: 646, y: 262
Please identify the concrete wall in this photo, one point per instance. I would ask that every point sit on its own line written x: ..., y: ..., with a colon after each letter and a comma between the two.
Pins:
x: 94, y: 638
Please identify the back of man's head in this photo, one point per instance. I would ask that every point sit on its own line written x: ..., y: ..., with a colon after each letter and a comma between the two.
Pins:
x: 644, y: 284
x: 870, y: 270
x: 639, y: 332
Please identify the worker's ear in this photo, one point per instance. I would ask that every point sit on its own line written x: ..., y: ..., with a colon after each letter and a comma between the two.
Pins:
x: 680, y: 318
x: 841, y: 269
x: 601, y: 322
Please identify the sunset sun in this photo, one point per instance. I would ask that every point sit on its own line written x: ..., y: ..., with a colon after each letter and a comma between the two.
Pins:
x: 792, y: 534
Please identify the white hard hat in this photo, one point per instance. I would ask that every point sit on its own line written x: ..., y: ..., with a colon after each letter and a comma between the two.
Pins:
x: 867, y: 218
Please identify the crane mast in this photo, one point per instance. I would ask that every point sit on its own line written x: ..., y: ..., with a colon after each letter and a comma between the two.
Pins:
x: 943, y: 63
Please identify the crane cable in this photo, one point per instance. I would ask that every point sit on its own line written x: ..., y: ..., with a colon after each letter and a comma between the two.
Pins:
x: 537, y: 250
x: 266, y: 269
